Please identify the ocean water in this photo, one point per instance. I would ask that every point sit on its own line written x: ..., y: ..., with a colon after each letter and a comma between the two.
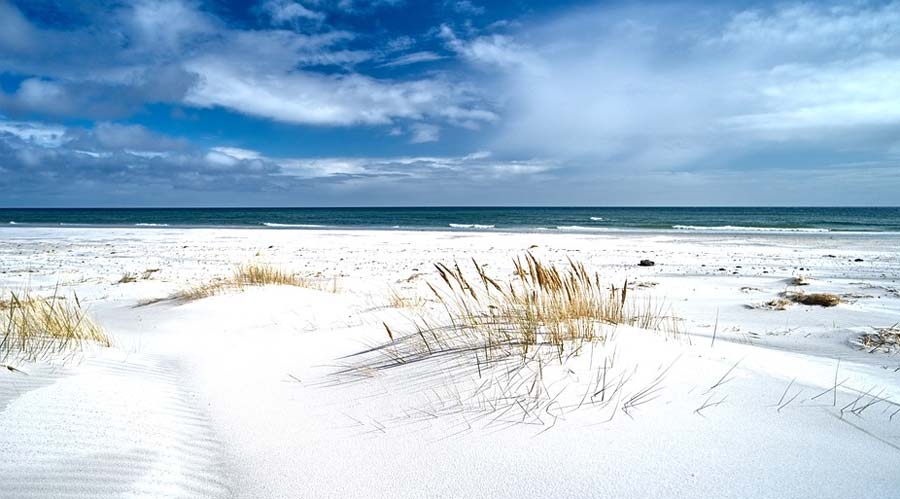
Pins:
x: 599, y: 219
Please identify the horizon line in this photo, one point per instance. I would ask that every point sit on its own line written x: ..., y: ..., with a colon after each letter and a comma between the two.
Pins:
x: 375, y: 207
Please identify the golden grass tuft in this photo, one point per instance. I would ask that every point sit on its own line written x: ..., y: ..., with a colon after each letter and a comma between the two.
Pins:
x: 542, y: 306
x: 35, y: 327
x: 503, y: 336
x: 255, y: 274
x: 252, y: 274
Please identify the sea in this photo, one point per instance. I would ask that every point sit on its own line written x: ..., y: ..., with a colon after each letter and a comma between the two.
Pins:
x: 795, y: 220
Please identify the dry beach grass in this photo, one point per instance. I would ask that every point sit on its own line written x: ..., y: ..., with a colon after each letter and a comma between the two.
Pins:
x: 788, y: 298
x: 512, y: 338
x: 250, y: 274
x: 885, y: 339
x: 35, y: 327
x: 542, y: 306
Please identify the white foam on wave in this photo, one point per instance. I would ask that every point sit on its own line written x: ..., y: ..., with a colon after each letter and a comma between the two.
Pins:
x: 739, y: 228
x: 150, y: 225
x: 581, y: 228
x: 471, y: 226
x: 12, y: 223
x: 303, y: 226
x: 597, y: 219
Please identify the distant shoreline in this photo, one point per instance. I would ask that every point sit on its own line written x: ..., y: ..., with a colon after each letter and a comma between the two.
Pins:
x: 569, y: 231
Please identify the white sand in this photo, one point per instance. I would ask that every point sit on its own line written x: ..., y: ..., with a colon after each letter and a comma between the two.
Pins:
x: 237, y: 395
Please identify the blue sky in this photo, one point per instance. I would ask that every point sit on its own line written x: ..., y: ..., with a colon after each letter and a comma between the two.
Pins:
x: 400, y: 102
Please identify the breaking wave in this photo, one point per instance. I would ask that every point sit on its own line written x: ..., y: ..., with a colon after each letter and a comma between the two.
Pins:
x: 739, y: 228
x: 285, y: 226
x: 471, y: 226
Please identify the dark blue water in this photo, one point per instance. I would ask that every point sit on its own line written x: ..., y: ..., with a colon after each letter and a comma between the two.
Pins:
x: 794, y: 220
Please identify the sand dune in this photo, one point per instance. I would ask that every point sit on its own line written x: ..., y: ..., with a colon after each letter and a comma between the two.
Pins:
x: 112, y: 426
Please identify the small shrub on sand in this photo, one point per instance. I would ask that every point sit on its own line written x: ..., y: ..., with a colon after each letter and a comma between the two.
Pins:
x: 130, y: 277
x: 789, y: 298
x: 34, y: 327
x: 886, y: 339
x: 127, y: 278
x: 396, y: 300
x: 148, y: 273
x: 820, y: 299
x: 776, y: 304
x: 799, y: 281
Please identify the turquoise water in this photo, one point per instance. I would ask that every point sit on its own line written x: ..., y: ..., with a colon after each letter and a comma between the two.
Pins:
x: 792, y: 220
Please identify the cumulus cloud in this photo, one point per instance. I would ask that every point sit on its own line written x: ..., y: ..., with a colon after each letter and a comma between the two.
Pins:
x: 423, y: 132
x: 677, y: 85
x: 165, y: 25
x: 288, y: 12
x: 169, y: 51
x: 492, y: 50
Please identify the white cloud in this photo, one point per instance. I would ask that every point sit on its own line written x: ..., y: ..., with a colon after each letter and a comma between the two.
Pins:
x: 286, y: 11
x: 424, y: 132
x: 667, y: 86
x: 217, y: 158
x: 413, y: 58
x: 472, y: 168
x: 489, y: 50
x: 814, y: 29
x: 41, y: 95
x: 40, y: 134
x: 264, y: 89
x: 166, y: 25
x: 807, y: 98
x: 177, y: 53
x: 237, y: 152
x: 465, y: 7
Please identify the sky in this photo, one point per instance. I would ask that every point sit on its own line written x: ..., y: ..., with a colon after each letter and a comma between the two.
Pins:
x: 450, y: 102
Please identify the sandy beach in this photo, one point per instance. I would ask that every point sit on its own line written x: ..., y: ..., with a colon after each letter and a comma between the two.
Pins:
x: 258, y: 392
